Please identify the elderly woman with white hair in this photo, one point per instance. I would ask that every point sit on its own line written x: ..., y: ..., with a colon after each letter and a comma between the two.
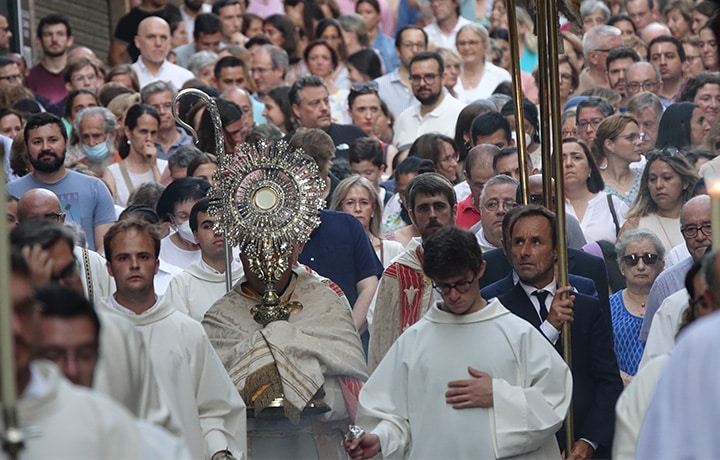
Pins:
x: 641, y: 258
x: 594, y: 13
x: 478, y: 77
x: 202, y: 65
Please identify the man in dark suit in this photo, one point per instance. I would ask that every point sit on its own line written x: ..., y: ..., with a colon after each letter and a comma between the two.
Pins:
x: 531, y: 246
x: 309, y: 100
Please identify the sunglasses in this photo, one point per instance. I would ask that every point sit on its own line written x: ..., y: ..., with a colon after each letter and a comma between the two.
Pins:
x: 648, y: 259
x: 369, y: 86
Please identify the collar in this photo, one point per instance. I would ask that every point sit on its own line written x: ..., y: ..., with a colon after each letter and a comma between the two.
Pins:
x: 234, y: 265
x: 551, y: 287
x: 38, y: 386
x: 114, y: 304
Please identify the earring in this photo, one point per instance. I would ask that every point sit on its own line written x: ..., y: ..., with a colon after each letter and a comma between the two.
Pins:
x: 128, y: 141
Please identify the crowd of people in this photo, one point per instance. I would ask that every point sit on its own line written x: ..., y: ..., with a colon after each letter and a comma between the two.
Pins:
x: 426, y: 301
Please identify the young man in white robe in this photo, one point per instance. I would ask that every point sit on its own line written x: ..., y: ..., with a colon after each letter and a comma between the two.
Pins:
x: 469, y: 379
x: 191, y: 376
x: 195, y: 289
x: 72, y: 422
x: 69, y: 337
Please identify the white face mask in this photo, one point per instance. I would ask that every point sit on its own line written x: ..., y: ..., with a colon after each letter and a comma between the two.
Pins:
x: 185, y: 232
x: 528, y: 139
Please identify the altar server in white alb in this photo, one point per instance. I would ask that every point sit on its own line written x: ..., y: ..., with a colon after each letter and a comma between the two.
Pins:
x: 195, y: 289
x: 469, y: 380
x: 71, y: 421
x: 189, y: 373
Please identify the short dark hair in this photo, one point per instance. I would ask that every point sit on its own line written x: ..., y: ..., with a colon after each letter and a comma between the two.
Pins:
x: 426, y: 56
x: 623, y: 52
x: 179, y: 191
x: 430, y: 184
x: 51, y: 20
x: 487, y: 123
x: 201, y: 206
x: 4, y: 62
x: 309, y: 81
x: 41, y: 119
x: 451, y: 251
x: 206, y: 23
x: 60, y: 302
x: 531, y: 210
x: 399, y: 34
x: 228, y: 62
x: 367, y: 148
x: 506, y: 152
x: 123, y: 226
x: 668, y: 39
x: 694, y: 84
x: 67, y: 110
x: 220, y: 4
x: 140, y: 211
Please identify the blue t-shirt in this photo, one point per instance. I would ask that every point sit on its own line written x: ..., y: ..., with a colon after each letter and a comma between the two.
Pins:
x: 626, y: 329
x: 339, y: 249
x: 84, y: 199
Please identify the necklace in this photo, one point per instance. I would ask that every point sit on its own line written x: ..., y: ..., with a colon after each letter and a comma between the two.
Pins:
x: 629, y: 296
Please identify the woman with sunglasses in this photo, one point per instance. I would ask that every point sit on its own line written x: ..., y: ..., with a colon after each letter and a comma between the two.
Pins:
x: 641, y: 258
x: 616, y: 146
x: 600, y: 214
x: 665, y: 186
x: 364, y: 109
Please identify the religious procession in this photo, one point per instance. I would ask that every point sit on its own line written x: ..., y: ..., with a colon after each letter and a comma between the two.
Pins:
x: 353, y: 229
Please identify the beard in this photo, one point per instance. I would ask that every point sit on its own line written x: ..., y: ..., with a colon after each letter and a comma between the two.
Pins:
x: 430, y: 99
x: 193, y: 5
x: 47, y: 166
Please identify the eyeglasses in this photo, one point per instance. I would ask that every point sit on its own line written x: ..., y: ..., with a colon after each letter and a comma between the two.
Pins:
x: 667, y: 152
x: 646, y: 86
x: 634, y: 137
x: 413, y: 45
x: 691, y: 231
x: 16, y: 77
x: 429, y: 78
x: 450, y: 158
x: 91, y: 77
x: 369, y: 86
x: 364, y: 203
x: 54, y: 216
x: 584, y: 124
x: 493, y: 204
x: 648, y: 259
x: 462, y: 287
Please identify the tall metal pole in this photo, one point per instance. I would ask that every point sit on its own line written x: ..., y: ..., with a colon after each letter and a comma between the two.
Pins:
x: 517, y: 99
x: 212, y: 108
x: 12, y: 437
x: 548, y: 16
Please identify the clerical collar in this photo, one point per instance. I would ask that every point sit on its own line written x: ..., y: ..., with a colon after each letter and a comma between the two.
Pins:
x: 114, y: 303
x: 234, y: 265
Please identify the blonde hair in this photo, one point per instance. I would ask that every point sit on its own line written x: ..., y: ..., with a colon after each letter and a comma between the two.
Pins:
x: 529, y: 39
x: 342, y: 190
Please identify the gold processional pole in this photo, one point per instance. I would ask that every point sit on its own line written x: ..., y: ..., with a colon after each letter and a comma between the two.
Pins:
x: 517, y: 99
x: 547, y: 22
x: 212, y: 108
x: 12, y: 436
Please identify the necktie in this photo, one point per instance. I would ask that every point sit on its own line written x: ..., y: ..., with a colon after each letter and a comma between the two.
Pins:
x: 542, y: 296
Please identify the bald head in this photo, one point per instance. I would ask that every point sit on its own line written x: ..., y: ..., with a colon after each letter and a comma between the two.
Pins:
x: 654, y: 30
x: 153, y: 40
x: 39, y: 202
